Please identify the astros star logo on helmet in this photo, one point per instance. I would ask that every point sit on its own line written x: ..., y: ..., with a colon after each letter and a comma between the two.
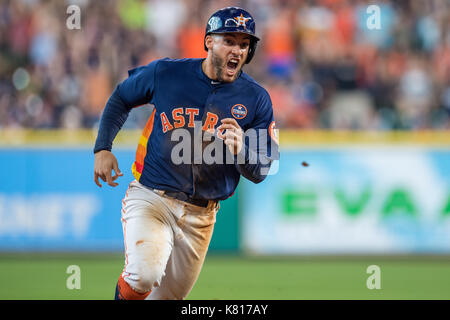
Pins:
x: 242, y: 20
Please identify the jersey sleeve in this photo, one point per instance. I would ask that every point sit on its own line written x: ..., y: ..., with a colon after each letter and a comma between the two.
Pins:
x: 113, y: 117
x: 260, y: 144
x: 136, y: 90
x: 139, y: 87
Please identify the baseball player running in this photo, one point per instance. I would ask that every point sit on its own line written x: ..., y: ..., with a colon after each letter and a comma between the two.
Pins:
x: 169, y: 210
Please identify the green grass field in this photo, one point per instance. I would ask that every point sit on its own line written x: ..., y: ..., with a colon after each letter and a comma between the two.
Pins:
x: 36, y: 276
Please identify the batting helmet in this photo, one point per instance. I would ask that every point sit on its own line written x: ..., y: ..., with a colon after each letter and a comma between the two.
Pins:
x: 233, y: 19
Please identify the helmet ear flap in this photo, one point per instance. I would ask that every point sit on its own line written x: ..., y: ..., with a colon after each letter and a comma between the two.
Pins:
x: 251, y: 51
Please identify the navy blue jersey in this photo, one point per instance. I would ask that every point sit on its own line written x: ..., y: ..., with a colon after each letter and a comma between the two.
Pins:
x: 185, y: 98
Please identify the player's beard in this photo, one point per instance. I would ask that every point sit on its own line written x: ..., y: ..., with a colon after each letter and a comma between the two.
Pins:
x: 218, y: 64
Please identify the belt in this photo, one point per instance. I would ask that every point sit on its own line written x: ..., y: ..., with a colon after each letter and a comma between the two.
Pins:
x: 184, y: 197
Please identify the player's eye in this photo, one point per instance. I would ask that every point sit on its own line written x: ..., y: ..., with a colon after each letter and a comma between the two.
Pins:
x: 229, y: 42
x: 244, y: 45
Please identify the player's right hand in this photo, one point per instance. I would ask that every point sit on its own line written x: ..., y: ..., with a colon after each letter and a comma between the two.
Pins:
x: 105, y: 162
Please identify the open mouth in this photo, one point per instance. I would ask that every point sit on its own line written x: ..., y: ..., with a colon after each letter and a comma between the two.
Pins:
x: 232, y: 65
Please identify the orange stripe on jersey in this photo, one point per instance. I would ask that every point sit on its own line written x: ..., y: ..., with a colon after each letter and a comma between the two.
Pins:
x: 141, y: 151
x: 138, y: 167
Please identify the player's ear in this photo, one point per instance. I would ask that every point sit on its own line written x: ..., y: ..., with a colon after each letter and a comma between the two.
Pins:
x: 209, y: 40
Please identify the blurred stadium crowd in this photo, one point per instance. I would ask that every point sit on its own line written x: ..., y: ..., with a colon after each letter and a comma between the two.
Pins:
x: 322, y: 65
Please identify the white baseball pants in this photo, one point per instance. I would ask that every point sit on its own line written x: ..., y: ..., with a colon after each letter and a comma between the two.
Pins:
x: 166, y: 241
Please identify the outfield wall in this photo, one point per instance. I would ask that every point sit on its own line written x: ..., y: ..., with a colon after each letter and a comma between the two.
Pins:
x: 333, y: 193
x: 353, y: 193
x: 353, y: 200
x: 49, y: 201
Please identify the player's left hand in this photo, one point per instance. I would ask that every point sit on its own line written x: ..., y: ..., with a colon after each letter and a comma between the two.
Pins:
x: 233, y: 136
